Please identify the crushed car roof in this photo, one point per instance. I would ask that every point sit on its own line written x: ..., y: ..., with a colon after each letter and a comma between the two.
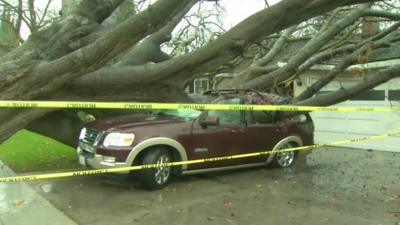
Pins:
x: 250, y: 96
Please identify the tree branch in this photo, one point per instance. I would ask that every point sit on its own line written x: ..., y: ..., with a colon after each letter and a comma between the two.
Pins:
x: 149, y: 49
x: 19, y: 19
x: 32, y: 16
x: 383, y: 14
x: 343, y: 94
x: 364, y: 48
x: 271, y: 79
x: 221, y: 50
x: 98, y: 10
x: 44, y: 13
x: 328, y: 54
x: 278, y: 45
x: 18, y: 9
x: 50, y: 76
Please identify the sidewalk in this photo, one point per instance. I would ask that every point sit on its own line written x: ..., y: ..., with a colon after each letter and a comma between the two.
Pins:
x: 20, y: 204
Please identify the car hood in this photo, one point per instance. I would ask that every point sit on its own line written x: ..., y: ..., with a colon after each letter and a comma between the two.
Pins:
x: 132, y: 121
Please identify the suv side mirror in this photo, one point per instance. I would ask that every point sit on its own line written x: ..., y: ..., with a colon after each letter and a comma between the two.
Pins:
x: 210, y: 121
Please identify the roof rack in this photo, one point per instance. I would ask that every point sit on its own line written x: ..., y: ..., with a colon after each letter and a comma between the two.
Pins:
x: 229, y: 91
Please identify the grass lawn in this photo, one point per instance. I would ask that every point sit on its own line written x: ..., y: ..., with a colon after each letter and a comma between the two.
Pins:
x: 30, y: 152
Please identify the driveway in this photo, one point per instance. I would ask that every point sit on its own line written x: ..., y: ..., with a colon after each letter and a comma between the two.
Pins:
x: 20, y: 204
x: 335, y: 186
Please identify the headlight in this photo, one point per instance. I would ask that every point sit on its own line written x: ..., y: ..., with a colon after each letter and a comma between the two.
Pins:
x: 82, y: 134
x: 299, y: 118
x: 118, y: 139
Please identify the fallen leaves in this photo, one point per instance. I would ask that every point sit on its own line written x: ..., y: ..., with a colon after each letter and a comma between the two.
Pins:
x: 19, y: 204
x: 335, y: 200
x: 364, y: 194
x: 394, y: 198
x: 187, y: 188
x: 275, y: 184
x: 230, y: 221
x: 227, y: 204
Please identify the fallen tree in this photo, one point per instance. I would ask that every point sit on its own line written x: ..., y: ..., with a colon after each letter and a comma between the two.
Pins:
x: 80, y: 57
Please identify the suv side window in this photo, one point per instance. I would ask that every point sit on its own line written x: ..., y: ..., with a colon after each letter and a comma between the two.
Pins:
x: 227, y: 118
x: 262, y: 117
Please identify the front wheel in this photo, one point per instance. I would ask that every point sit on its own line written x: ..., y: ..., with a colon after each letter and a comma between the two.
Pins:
x: 284, y: 159
x: 156, y: 178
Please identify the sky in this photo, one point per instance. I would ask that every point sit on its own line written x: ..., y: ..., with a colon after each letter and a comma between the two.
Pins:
x: 238, y: 10
x: 235, y: 10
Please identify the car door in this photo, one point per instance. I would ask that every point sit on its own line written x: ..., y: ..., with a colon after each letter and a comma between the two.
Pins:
x: 263, y: 131
x: 221, y: 140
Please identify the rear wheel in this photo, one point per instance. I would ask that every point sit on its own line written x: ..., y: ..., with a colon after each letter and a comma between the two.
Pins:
x: 156, y: 178
x: 284, y: 159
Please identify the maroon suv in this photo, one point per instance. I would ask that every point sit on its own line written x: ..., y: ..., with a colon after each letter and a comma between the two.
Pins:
x: 185, y: 134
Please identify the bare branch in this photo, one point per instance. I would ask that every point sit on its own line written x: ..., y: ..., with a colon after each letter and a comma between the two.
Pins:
x: 343, y: 38
x: 288, y: 71
x: 215, y: 53
x: 44, y: 13
x: 98, y: 10
x: 149, y: 49
x: 350, y: 60
x: 278, y: 45
x: 343, y: 94
x: 32, y: 16
x: 24, y: 17
x: 331, y: 18
x: 383, y: 14
x: 328, y: 54
x: 19, y: 19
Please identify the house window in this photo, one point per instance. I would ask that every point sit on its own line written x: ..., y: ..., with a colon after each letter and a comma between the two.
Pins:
x: 394, y: 95
x: 201, y: 85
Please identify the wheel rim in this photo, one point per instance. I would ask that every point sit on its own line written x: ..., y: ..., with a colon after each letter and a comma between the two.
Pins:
x: 285, y: 159
x: 162, y: 173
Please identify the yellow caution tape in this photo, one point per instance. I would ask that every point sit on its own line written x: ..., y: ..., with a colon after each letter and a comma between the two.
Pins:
x: 188, y: 162
x: 151, y: 106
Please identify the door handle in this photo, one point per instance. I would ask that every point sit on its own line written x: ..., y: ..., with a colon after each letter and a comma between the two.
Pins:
x: 280, y: 129
x: 237, y: 131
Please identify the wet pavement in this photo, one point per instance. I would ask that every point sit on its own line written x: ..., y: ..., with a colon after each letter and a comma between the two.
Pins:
x: 335, y: 186
x: 20, y: 204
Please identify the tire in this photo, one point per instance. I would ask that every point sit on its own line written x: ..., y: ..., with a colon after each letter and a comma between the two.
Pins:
x: 156, y: 178
x: 284, y: 159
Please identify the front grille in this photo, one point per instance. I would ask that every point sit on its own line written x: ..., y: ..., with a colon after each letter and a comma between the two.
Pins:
x: 87, y: 154
x: 91, y: 136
